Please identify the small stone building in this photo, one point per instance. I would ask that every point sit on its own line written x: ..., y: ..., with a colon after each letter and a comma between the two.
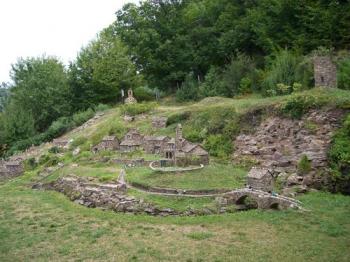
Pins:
x: 325, y: 72
x: 107, y: 143
x: 159, y: 122
x: 155, y: 144
x: 61, y: 143
x: 130, y: 99
x: 132, y: 141
x: 185, y: 152
x: 14, y: 167
x: 260, y: 179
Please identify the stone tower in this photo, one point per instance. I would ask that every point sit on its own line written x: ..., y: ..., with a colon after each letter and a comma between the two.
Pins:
x: 178, y: 137
x: 325, y: 72
x: 130, y: 99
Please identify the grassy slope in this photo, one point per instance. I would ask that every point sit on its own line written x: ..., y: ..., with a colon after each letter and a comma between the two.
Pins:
x: 43, y: 226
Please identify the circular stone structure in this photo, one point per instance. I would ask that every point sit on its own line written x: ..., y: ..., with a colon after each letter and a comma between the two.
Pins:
x: 174, y: 169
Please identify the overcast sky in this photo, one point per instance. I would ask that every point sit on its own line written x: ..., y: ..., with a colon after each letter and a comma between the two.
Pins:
x: 52, y: 27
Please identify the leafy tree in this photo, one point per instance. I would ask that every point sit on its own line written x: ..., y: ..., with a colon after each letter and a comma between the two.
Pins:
x: 18, y: 123
x: 101, y: 70
x: 4, y: 93
x: 40, y: 88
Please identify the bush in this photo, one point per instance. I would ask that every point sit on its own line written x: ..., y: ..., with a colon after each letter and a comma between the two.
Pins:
x: 144, y: 93
x: 304, y: 165
x: 81, y: 117
x: 213, y: 84
x: 284, y: 70
x: 240, y: 76
x: 101, y: 107
x: 218, y: 145
x: 178, y: 117
x: 78, y: 141
x: 189, y: 90
x: 54, y: 150
x: 136, y: 109
x: 297, y: 106
x: 339, y: 157
x: 343, y: 74
x: 30, y: 163
x: 193, y: 135
x: 117, y: 129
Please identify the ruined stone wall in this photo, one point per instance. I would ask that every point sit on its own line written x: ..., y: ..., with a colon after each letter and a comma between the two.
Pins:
x: 325, y: 72
x: 279, y: 143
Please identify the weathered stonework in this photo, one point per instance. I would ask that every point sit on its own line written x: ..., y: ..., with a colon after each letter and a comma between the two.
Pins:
x: 325, y: 72
x: 130, y: 99
x: 159, y: 122
x: 260, y: 179
x: 279, y: 143
x: 107, y: 143
x: 10, y: 169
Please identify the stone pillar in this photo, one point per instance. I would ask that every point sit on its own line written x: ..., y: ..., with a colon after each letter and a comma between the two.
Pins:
x: 325, y: 72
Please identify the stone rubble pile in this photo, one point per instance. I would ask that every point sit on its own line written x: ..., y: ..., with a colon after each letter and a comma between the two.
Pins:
x: 279, y: 144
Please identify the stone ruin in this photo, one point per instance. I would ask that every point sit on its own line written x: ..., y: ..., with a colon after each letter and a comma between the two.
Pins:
x: 325, y: 72
x: 260, y: 179
x: 130, y: 99
x: 107, y: 143
x: 10, y: 169
x: 177, y: 149
x: 279, y: 144
x: 159, y: 122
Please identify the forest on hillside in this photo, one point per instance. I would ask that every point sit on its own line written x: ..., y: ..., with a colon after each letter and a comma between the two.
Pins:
x: 187, y: 48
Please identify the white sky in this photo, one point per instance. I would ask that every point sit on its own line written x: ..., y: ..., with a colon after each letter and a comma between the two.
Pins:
x: 51, y: 27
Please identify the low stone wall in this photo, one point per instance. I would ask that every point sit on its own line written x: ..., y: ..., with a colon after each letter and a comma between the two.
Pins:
x: 176, y: 191
x: 85, y: 191
x: 131, y: 162
x: 112, y: 196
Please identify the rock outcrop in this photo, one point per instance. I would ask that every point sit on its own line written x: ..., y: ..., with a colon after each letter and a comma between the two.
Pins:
x: 279, y: 143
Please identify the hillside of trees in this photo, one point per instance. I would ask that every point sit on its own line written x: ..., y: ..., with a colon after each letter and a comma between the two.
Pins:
x: 188, y: 48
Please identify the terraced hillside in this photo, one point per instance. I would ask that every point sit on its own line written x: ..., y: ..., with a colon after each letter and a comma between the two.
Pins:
x: 45, y: 225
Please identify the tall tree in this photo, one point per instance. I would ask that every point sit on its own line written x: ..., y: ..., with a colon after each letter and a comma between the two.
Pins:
x: 101, y: 70
x: 40, y: 87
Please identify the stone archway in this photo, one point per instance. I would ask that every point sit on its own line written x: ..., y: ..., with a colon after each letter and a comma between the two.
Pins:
x: 247, y: 202
x: 275, y: 206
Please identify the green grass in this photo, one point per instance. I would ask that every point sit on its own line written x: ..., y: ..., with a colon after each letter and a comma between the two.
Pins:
x: 177, y: 203
x: 46, y: 226
x: 214, y: 176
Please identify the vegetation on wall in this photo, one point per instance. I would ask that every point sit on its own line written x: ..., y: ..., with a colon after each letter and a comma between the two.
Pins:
x: 339, y: 157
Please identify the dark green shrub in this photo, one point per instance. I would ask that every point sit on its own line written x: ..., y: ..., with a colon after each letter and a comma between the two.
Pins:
x: 339, y: 157
x: 78, y: 141
x: 54, y: 150
x: 343, y: 74
x: 43, y: 159
x: 101, y: 107
x: 81, y: 117
x: 189, y: 90
x: 30, y: 163
x: 218, y: 145
x: 144, y: 93
x: 304, y: 165
x: 193, y: 136
x: 117, y: 129
x: 297, y: 106
x: 213, y: 84
x: 285, y: 69
x: 178, y: 117
x: 240, y: 76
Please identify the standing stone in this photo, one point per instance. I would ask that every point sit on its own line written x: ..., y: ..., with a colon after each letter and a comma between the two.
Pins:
x: 325, y: 72
x: 130, y: 99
